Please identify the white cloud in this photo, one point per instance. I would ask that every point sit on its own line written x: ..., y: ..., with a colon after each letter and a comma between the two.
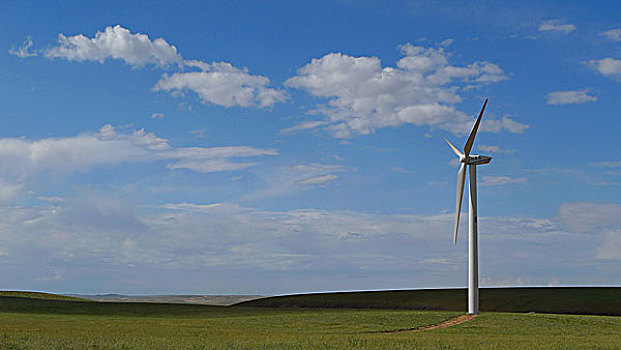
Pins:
x: 613, y: 34
x: 157, y: 116
x: 611, y: 247
x: 570, y: 97
x: 312, y: 124
x: 9, y: 190
x: 116, y: 43
x: 317, y: 167
x: 495, y: 149
x: 209, y: 165
x: 51, y: 199
x: 318, y: 180
x: 207, y: 208
x: 555, y: 25
x: 363, y: 96
x: 217, y: 83
x: 501, y: 180
x: 198, y: 133
x: 20, y: 158
x: 608, y: 66
x: 222, y: 84
x: 590, y: 218
x: 447, y: 42
x: 487, y: 281
x: 24, y: 50
x: 292, y: 179
x: 611, y: 164
x: 498, y: 125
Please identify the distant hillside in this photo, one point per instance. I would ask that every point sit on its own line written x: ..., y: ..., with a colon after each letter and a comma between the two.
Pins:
x: 223, y: 300
x: 38, y: 295
x: 15, y: 304
x: 563, y: 300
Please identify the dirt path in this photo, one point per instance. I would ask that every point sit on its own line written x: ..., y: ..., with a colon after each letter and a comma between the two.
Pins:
x: 448, y: 323
x: 452, y: 322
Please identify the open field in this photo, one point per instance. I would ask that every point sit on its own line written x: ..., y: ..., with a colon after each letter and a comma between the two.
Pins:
x: 560, y: 300
x: 60, y: 324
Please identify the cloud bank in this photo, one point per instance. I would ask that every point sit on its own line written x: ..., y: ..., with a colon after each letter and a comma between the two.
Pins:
x: 286, y: 250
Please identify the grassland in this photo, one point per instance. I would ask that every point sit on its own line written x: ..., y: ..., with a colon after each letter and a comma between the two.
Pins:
x: 563, y: 300
x: 38, y: 295
x: 27, y: 323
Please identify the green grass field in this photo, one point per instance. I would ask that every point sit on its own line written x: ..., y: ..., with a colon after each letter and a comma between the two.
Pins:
x: 28, y: 323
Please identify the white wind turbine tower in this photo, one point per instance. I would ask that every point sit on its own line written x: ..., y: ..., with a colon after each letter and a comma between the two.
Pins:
x: 472, y: 161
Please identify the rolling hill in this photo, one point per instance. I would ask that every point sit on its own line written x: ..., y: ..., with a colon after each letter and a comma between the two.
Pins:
x: 561, y: 300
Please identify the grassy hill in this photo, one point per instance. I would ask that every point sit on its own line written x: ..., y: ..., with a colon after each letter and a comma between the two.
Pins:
x: 223, y: 300
x: 15, y: 304
x: 561, y: 300
x: 38, y: 295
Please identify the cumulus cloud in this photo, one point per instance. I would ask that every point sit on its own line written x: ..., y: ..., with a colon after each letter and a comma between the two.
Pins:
x: 218, y: 83
x: 570, y: 97
x: 116, y: 43
x: 21, y: 158
x: 23, y: 51
x: 222, y: 84
x: 363, y: 96
x: 608, y: 66
x: 613, y: 34
x: 555, y: 25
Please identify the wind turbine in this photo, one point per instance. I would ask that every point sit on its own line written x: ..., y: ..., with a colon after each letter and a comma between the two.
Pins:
x: 471, y: 161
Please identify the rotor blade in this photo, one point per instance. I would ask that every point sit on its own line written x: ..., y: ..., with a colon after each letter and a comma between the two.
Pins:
x: 461, y: 180
x: 473, y: 133
x: 455, y: 150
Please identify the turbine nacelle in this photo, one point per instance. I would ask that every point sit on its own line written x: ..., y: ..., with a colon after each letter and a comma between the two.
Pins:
x: 476, y: 159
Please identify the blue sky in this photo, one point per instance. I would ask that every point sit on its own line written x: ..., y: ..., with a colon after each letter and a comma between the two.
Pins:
x: 277, y: 147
